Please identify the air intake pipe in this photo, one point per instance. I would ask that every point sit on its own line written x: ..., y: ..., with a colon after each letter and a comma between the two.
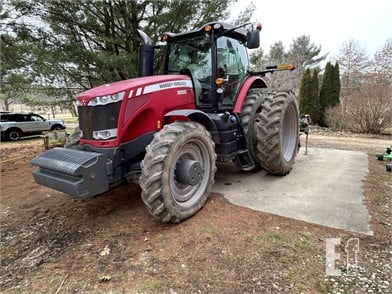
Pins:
x: 146, y: 56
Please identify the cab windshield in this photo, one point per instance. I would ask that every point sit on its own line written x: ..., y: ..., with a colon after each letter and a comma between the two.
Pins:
x: 193, y: 57
x: 193, y: 54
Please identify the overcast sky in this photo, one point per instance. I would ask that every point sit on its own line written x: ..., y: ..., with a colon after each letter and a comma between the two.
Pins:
x: 328, y: 22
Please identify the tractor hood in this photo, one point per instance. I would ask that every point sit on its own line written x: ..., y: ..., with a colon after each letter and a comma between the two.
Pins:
x: 133, y: 87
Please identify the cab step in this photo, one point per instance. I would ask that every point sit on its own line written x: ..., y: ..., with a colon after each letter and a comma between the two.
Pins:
x: 244, y: 161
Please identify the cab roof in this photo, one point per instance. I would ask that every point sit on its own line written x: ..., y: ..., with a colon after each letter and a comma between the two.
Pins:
x: 219, y: 27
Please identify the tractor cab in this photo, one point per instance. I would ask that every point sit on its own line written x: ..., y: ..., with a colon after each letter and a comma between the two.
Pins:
x: 215, y: 57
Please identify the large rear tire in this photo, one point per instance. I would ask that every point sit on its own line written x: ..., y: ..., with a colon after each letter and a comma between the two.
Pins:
x: 278, y: 133
x: 249, y: 117
x: 169, y: 190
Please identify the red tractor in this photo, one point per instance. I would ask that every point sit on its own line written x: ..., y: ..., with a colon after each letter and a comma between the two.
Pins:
x: 169, y: 130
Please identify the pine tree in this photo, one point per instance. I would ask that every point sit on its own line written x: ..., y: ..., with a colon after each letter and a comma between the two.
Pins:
x: 302, y: 54
x: 95, y: 42
x: 329, y: 90
x: 309, y: 95
x: 337, y: 85
x: 304, y: 90
x: 315, y: 102
x: 325, y: 90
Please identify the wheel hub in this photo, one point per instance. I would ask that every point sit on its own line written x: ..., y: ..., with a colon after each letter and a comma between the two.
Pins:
x: 188, y: 172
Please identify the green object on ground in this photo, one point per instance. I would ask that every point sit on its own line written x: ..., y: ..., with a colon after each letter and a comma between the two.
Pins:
x: 386, y: 155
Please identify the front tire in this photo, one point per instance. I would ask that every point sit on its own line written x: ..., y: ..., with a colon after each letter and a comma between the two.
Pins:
x: 169, y: 195
x: 278, y: 133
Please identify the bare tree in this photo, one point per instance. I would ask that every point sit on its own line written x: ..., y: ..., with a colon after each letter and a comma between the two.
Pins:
x: 367, y: 111
x: 365, y: 101
x: 381, y: 65
x: 353, y: 62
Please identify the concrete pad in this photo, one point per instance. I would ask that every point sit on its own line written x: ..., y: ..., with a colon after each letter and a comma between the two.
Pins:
x: 324, y: 187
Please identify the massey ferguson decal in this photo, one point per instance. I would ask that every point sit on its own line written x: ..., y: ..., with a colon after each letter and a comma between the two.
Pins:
x: 160, y: 86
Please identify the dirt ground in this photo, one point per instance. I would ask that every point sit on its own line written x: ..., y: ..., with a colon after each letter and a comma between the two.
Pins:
x: 52, y: 243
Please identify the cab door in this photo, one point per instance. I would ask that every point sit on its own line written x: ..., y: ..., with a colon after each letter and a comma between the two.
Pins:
x: 233, y: 64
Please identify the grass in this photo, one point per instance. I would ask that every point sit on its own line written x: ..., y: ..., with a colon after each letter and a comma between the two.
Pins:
x: 303, y: 243
x: 276, y: 240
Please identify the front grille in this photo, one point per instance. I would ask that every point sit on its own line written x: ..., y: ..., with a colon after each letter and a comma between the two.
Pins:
x: 96, y: 118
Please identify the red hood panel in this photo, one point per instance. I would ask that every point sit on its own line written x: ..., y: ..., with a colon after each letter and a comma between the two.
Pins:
x: 116, y: 87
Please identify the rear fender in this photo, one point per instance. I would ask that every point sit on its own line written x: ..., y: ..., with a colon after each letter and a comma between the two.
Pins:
x: 197, y: 116
x: 251, y: 82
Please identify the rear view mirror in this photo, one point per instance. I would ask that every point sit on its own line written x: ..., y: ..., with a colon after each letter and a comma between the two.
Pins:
x: 253, y: 38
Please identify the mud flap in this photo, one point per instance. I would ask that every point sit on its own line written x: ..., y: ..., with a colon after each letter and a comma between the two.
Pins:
x: 78, y: 173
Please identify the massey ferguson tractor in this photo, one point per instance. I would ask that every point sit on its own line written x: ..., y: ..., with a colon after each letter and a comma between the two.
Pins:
x: 170, y: 130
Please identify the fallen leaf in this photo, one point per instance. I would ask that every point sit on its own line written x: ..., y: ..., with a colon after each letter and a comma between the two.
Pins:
x: 105, y: 251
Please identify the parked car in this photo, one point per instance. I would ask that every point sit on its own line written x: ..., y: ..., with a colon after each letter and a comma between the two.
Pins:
x: 13, y: 125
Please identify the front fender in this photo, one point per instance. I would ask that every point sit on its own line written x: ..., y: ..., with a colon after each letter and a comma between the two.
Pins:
x: 197, y: 116
x: 251, y: 82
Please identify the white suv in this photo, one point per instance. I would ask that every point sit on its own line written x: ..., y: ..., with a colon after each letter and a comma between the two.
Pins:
x: 15, y: 125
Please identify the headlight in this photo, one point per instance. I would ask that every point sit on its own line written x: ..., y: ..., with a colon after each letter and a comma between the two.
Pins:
x: 105, y: 134
x: 107, y: 99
